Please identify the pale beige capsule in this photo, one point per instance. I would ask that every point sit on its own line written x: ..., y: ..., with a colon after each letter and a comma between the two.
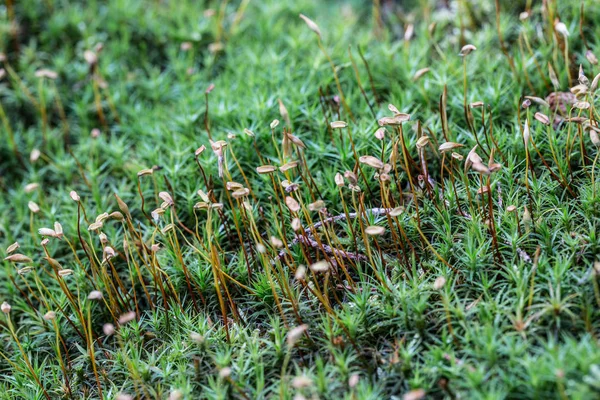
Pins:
x: 45, y: 242
x: 466, y: 50
x: 338, y: 124
x: 296, y: 140
x: 582, y: 105
x: 420, y: 73
x: 95, y: 295
x: 46, y: 73
x: 398, y: 119
x: 276, y: 242
x: 311, y: 24
x: 219, y: 206
x: 339, y: 179
x: 300, y: 273
x: 103, y: 238
x: 482, y: 190
x: 74, y: 196
x: 166, y: 197
x: 50, y: 315
x: 108, y: 329
x: 423, y: 141
x: 176, y: 395
x: 481, y: 168
x: 472, y: 157
x: 274, y: 124
x: 292, y: 204
x: 353, y: 380
x: 371, y: 161
x: 232, y: 186
x: 249, y: 132
x: 511, y: 208
x: 210, y: 88
x: 102, y: 217
x: 296, y: 224
x: 53, y: 262
x: 95, y: 133
x: 33, y: 207
x: 201, y: 205
x: 448, y: 146
x: 147, y: 171
x: 397, y: 211
x: 317, y: 205
x: 116, y: 215
x: 287, y: 166
x: 12, y: 247
x: 416, y: 394
x: 203, y: 195
x: 477, y: 104
x: 594, y: 84
x: 18, y: 258
x: 408, y: 33
x: 561, y: 28
x: 594, y: 137
x: 439, y: 283
x: 24, y: 270
x: 320, y: 266
x: 65, y: 272
x: 109, y: 252
x: 58, y: 230
x: 95, y: 226
x: 224, y: 372
x: 351, y: 177
x: 374, y: 230
x: 457, y: 156
x: 266, y: 169
x: 199, y: 150
x: 301, y: 382
x: 494, y: 167
x: 215, y: 47
x: 127, y: 317
x: 122, y: 206
x: 393, y: 109
x: 238, y: 194
x: 34, y: 155
x: 168, y: 228
x: 543, y: 118
x: 380, y: 133
x: 31, y: 187
x: 47, y: 232
x: 579, y: 90
x: 5, y: 307
x: 157, y: 213
x: 591, y: 57
x: 90, y: 57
